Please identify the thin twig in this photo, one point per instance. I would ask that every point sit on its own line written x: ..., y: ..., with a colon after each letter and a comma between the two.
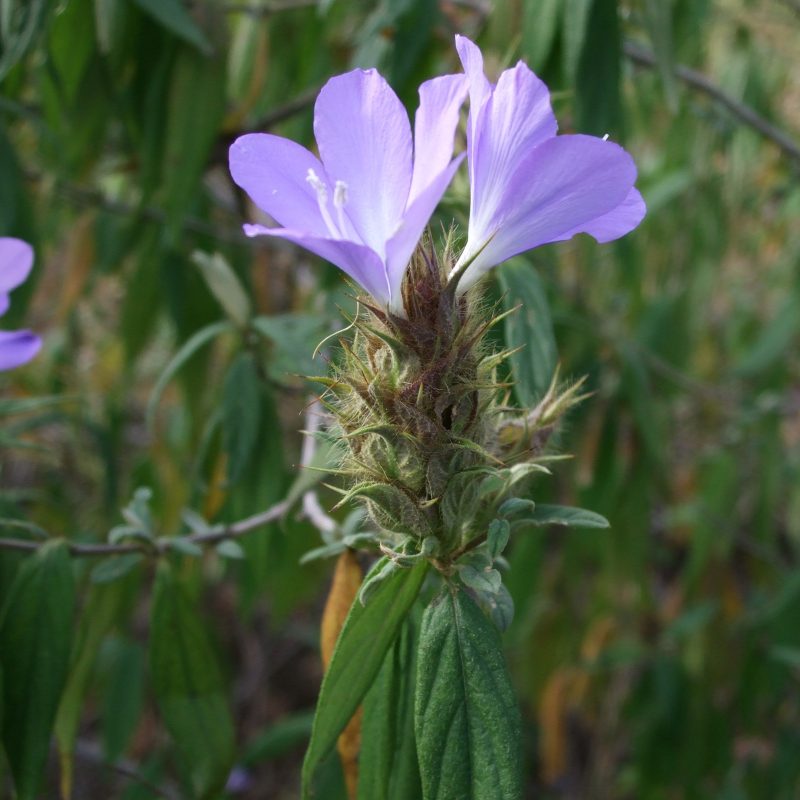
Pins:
x: 270, y: 119
x: 85, y: 196
x: 75, y: 549
x: 294, y: 106
x: 646, y: 58
x: 211, y: 537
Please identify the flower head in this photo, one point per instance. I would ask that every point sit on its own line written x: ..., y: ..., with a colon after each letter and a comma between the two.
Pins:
x: 16, y: 261
x: 528, y: 186
x: 364, y: 203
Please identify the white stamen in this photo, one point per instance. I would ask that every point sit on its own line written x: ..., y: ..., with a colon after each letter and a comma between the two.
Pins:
x: 605, y: 138
x: 339, y: 202
x: 317, y: 184
x: 340, y: 194
x: 322, y: 201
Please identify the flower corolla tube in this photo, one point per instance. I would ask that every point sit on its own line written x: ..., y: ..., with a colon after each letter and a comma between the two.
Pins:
x: 16, y: 261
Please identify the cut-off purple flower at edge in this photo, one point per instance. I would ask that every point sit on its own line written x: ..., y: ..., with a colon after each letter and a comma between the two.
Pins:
x: 529, y: 187
x: 16, y: 261
x: 364, y: 204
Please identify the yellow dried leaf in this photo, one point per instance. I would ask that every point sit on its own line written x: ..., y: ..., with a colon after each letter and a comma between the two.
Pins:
x: 77, y: 264
x: 553, y: 709
x: 595, y: 641
x: 344, y: 589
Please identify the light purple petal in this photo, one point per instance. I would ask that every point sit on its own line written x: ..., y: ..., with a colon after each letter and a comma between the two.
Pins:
x: 403, y: 243
x: 273, y: 171
x: 516, y: 119
x: 16, y: 260
x: 617, y: 222
x: 17, y: 348
x: 358, y: 261
x: 435, y: 124
x: 565, y: 185
x: 364, y: 140
x: 480, y: 90
x: 4, y: 303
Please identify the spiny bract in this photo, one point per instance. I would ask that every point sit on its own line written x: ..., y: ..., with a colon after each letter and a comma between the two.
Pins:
x: 429, y: 444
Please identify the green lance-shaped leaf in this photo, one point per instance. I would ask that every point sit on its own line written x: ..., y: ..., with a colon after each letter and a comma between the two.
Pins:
x: 658, y: 21
x: 598, y: 99
x: 467, y: 722
x: 195, y: 112
x: 21, y: 22
x: 98, y: 615
x: 564, y: 515
x: 539, y: 28
x: 124, y: 695
x: 388, y: 766
x: 224, y: 284
x: 574, y: 28
x: 35, y: 643
x: 241, y: 414
x: 172, y: 15
x: 534, y: 365
x: 187, y: 350
x: 188, y: 687
x: 293, y: 338
x: 367, y: 635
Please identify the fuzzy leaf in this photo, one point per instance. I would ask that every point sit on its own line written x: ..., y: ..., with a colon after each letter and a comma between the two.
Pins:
x: 481, y: 580
x: 515, y: 505
x: 498, y: 606
x: 497, y: 538
x: 354, y: 540
x: 388, y: 765
x: 367, y: 635
x: 467, y: 722
x: 566, y: 515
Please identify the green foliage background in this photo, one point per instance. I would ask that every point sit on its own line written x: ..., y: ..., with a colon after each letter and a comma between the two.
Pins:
x: 660, y: 659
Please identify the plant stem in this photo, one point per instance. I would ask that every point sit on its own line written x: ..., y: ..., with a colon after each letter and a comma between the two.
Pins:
x: 211, y: 537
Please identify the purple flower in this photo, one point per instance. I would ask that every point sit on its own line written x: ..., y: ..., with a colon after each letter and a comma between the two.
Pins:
x: 16, y: 260
x: 364, y: 204
x: 528, y: 186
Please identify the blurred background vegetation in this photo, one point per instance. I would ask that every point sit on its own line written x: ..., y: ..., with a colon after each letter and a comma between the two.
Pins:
x: 660, y: 659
